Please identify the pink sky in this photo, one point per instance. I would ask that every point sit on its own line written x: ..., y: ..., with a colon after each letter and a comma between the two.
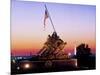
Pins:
x: 74, y: 24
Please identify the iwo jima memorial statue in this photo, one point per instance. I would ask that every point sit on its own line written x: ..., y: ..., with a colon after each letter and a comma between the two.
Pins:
x: 53, y: 47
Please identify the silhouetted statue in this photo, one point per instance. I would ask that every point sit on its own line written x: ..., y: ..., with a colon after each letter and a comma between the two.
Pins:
x: 53, y: 47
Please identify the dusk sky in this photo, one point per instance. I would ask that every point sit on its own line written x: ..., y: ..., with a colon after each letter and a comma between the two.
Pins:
x: 74, y: 24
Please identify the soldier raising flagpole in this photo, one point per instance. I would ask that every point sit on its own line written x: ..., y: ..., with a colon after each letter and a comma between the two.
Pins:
x: 47, y: 15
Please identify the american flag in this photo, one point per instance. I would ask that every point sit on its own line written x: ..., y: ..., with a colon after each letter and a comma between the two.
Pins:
x: 45, y: 17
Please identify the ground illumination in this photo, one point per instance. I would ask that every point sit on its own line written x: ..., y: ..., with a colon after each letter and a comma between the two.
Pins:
x: 27, y: 65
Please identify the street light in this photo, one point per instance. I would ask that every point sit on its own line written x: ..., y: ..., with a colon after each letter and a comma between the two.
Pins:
x: 18, y: 68
x: 27, y: 66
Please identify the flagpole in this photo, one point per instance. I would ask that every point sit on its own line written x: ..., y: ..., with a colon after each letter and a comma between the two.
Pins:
x: 50, y: 18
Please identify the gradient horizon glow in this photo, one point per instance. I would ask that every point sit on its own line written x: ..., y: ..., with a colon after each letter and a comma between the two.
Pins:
x: 75, y: 24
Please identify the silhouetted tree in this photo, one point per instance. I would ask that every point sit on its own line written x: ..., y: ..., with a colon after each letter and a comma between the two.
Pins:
x: 83, y: 55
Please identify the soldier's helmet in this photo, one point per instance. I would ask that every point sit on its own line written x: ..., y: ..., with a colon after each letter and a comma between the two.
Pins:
x: 54, y: 35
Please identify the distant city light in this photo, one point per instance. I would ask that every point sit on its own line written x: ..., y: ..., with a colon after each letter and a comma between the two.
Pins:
x: 19, y: 57
x: 13, y: 61
x: 75, y: 50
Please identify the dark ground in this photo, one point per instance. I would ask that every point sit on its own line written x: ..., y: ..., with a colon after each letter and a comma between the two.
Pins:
x: 49, y: 66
